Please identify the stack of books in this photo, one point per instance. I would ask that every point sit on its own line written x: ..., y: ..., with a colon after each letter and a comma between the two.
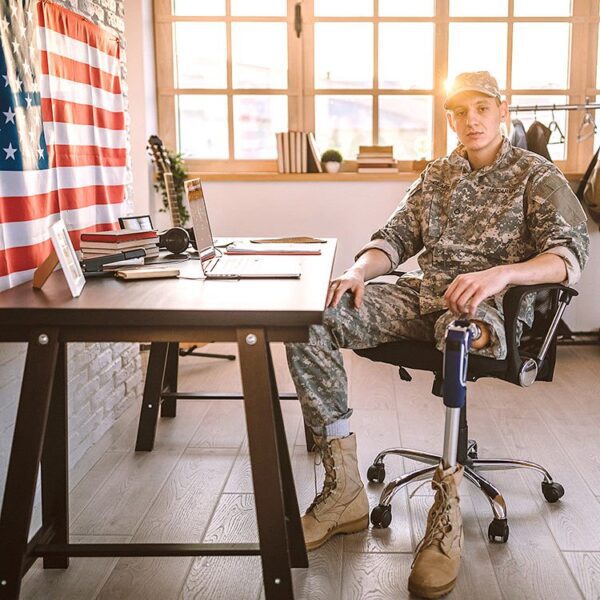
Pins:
x: 376, y: 159
x: 103, y: 243
x: 297, y: 153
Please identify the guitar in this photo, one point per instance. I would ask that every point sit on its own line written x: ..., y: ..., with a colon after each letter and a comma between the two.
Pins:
x: 163, y: 169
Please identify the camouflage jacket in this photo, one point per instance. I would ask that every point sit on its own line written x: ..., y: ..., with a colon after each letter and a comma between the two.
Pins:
x: 467, y: 220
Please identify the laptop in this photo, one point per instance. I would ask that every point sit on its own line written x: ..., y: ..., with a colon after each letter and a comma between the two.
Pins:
x: 216, y: 265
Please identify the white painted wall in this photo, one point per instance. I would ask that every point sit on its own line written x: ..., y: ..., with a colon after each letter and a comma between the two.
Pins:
x: 142, y: 97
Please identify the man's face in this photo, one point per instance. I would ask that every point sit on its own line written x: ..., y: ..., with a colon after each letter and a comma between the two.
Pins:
x: 476, y: 118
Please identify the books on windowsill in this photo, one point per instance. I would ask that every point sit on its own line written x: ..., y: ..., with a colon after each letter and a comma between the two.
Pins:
x: 297, y: 152
x: 376, y: 159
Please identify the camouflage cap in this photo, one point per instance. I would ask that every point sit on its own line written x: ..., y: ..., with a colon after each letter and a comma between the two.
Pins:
x: 474, y: 81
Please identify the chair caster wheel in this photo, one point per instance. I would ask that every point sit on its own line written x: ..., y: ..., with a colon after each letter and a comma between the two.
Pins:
x: 498, y: 531
x: 553, y: 492
x: 381, y: 516
x: 376, y: 473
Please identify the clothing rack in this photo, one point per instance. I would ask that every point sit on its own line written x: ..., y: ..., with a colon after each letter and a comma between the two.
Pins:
x: 538, y: 107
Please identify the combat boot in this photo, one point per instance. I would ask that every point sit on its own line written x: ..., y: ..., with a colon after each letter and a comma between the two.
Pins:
x: 437, y: 557
x: 342, y: 505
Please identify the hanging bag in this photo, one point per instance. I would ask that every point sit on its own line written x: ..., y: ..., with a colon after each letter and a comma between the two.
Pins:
x: 588, y: 191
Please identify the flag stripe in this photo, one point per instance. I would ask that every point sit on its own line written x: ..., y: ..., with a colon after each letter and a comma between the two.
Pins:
x: 86, y: 156
x: 84, y: 135
x: 80, y: 29
x: 29, y: 257
x: 73, y: 70
x: 72, y: 91
x: 35, y: 207
x: 25, y: 233
x: 25, y: 183
x: 61, y: 111
x: 106, y: 51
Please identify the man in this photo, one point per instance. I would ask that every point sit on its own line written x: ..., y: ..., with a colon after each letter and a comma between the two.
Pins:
x: 488, y: 216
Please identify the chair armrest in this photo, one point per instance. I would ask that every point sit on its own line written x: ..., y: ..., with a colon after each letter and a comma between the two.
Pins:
x: 523, y: 372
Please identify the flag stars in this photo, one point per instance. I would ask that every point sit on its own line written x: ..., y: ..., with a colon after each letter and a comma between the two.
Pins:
x: 10, y: 115
x: 15, y: 45
x: 24, y: 30
x: 5, y: 80
x: 10, y: 152
x: 40, y: 151
x: 13, y: 10
x: 5, y: 24
x: 19, y: 84
x: 30, y: 15
x: 29, y: 100
x: 26, y: 68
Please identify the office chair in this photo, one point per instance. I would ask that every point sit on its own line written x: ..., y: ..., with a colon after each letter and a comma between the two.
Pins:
x: 531, y: 360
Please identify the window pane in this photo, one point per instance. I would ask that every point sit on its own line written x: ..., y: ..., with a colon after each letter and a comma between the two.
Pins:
x: 264, y: 8
x: 259, y: 52
x: 406, y: 8
x: 343, y: 55
x: 406, y: 39
x: 557, y: 151
x: 199, y: 8
x: 343, y: 8
x: 406, y: 123
x: 542, y: 8
x: 477, y: 8
x: 203, y: 129
x: 344, y: 123
x: 490, y: 41
x: 256, y: 120
x: 200, y: 55
x: 547, y: 67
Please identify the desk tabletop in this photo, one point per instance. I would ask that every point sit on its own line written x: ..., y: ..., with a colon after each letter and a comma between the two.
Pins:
x: 176, y: 302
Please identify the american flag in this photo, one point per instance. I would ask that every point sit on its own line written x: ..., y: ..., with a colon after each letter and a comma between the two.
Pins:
x: 62, y: 131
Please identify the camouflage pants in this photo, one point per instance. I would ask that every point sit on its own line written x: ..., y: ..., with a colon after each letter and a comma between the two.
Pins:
x: 389, y: 312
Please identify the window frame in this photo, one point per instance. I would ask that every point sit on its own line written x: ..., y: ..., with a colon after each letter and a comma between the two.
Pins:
x: 584, y: 21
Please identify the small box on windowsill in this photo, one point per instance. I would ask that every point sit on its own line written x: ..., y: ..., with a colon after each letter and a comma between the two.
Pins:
x: 419, y: 165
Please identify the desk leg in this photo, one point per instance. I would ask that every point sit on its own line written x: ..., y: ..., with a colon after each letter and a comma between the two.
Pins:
x: 25, y: 456
x: 168, y: 407
x: 265, y: 457
x: 55, y: 464
x: 153, y: 387
x: 295, y: 537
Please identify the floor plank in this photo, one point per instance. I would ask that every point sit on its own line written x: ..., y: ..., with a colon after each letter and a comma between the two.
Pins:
x: 585, y: 567
x: 180, y: 513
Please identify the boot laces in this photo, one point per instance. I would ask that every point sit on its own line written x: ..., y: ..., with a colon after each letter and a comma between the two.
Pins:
x: 325, y: 457
x: 439, y: 524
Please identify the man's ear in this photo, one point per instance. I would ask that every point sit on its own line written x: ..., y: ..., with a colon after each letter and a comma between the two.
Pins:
x: 450, y: 119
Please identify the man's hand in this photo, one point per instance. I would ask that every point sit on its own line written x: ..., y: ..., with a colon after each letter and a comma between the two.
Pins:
x: 467, y: 291
x: 353, y: 279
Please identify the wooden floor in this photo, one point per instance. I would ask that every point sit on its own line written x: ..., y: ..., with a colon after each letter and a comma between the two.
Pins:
x: 196, y: 485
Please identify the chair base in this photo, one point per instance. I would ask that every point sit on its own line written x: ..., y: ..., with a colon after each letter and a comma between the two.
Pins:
x: 498, y: 531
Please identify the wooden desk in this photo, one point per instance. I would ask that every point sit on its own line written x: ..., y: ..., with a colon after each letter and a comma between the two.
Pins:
x: 249, y: 312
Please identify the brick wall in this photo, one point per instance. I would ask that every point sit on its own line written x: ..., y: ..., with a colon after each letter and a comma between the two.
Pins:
x: 103, y: 379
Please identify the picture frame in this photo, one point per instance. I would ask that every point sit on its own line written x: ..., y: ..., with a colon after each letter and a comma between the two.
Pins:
x: 67, y: 257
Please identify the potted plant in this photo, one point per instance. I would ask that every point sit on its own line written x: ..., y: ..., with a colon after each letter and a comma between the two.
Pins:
x: 331, y: 160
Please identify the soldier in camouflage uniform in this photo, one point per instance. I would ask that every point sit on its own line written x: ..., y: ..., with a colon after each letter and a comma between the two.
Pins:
x: 487, y: 216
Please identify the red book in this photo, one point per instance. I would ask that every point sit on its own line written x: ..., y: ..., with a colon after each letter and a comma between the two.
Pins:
x: 121, y: 235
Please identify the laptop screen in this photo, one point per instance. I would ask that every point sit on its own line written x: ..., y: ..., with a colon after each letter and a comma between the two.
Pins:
x: 199, y: 216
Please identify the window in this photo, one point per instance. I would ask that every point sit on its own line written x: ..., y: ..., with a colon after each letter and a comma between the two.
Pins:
x: 231, y: 73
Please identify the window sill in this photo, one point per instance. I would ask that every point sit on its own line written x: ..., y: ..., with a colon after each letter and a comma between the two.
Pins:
x: 322, y: 177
